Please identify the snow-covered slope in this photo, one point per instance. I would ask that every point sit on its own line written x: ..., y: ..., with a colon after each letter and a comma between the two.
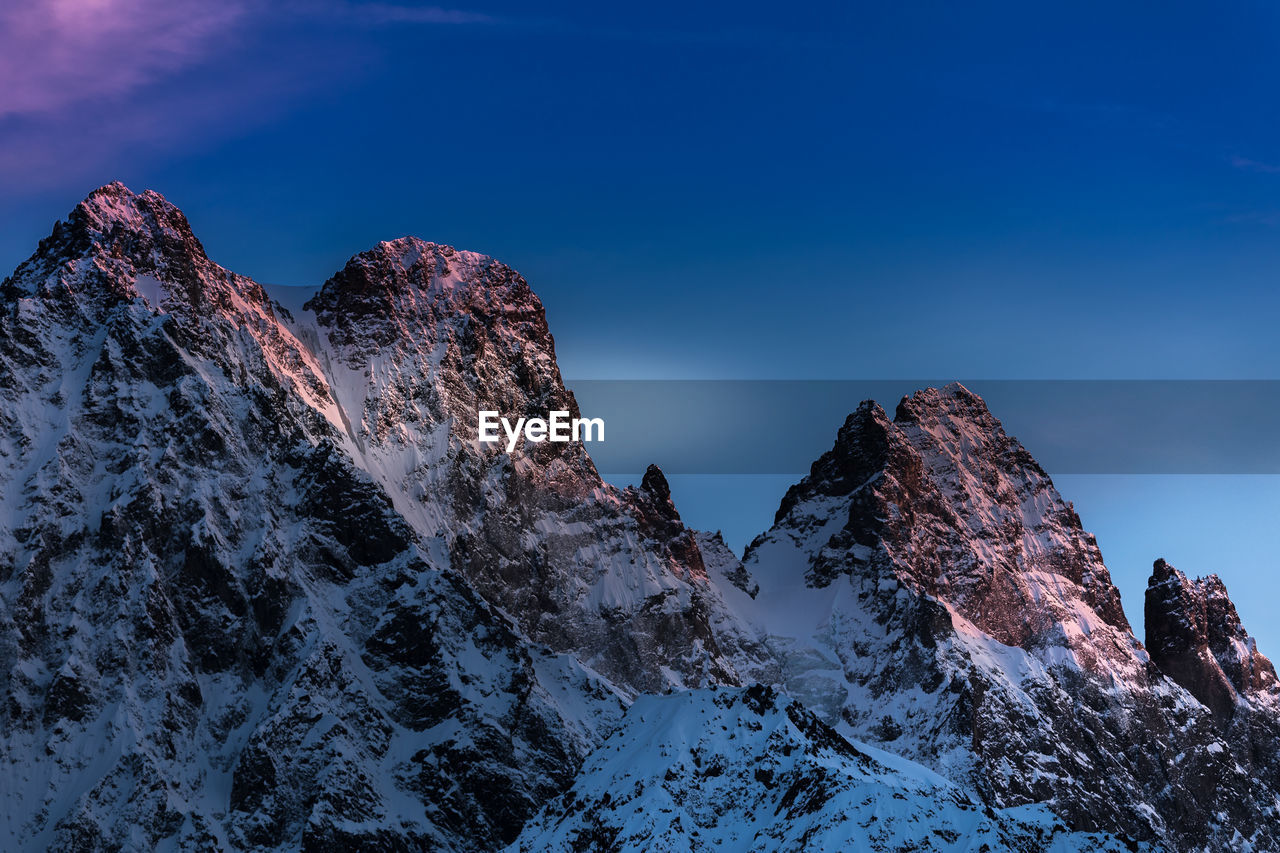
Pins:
x: 416, y: 339
x: 261, y: 588
x: 928, y: 590
x: 219, y: 627
x: 747, y: 769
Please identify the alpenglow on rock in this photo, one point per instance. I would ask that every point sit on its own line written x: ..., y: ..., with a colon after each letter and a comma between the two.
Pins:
x: 928, y: 590
x: 238, y: 547
x: 262, y: 589
x: 417, y: 338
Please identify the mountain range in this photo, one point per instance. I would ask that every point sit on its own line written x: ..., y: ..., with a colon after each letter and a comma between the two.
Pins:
x: 262, y: 589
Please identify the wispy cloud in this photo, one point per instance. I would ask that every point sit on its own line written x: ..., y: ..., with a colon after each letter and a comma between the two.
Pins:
x: 90, y: 87
x: 1254, y: 166
x: 56, y: 53
x: 390, y: 13
x: 102, y: 140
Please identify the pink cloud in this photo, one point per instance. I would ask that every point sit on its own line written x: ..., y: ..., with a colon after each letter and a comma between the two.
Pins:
x: 94, y: 142
x: 90, y: 89
x: 55, y: 53
x: 388, y: 13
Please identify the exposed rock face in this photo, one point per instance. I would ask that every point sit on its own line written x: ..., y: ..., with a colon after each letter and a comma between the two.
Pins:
x: 1194, y: 634
x: 973, y: 520
x: 749, y: 770
x: 229, y: 611
x: 959, y: 614
x: 419, y: 338
x: 723, y: 565
x: 262, y: 588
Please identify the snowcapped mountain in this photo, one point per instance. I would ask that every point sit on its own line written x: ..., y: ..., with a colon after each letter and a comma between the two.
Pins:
x: 927, y: 589
x: 263, y: 589
x: 416, y: 339
x: 237, y: 542
x: 735, y: 769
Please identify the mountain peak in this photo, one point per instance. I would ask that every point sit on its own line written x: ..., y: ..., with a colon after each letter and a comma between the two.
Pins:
x: 113, y: 211
x: 411, y: 264
x: 950, y: 396
x: 412, y: 285
x: 117, y: 245
x: 861, y: 450
x: 204, y: 494
x: 928, y: 588
x: 655, y: 483
x: 963, y: 512
x: 112, y: 191
x: 951, y: 403
x: 411, y: 249
x: 1195, y: 635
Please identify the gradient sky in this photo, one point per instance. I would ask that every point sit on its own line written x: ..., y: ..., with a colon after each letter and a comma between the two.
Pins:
x: 823, y: 190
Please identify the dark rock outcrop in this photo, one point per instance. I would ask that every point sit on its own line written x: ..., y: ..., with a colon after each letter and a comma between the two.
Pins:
x: 426, y: 337
x: 1194, y: 634
x: 222, y: 625
x: 263, y: 587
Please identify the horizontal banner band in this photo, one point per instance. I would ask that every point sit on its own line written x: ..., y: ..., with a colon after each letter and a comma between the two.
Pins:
x: 715, y: 426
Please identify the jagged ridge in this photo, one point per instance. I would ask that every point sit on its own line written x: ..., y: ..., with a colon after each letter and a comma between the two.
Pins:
x: 263, y: 589
x: 962, y: 617
x: 231, y: 619
x: 750, y: 770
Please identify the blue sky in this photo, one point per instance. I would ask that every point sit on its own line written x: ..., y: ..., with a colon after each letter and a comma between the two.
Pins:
x: 825, y: 190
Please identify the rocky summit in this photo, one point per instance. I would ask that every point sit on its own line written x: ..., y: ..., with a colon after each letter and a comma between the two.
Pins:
x: 262, y: 589
x: 930, y: 592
